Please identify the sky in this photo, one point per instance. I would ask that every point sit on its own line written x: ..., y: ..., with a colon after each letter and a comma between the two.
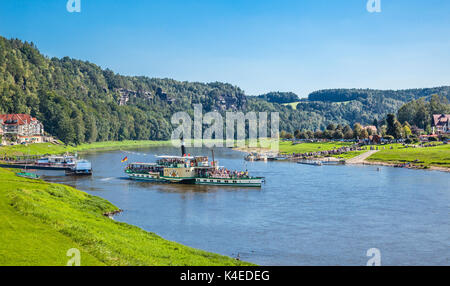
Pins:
x: 258, y: 45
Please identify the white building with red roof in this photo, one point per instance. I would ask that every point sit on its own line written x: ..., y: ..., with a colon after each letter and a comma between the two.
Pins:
x: 441, y: 123
x: 23, y: 126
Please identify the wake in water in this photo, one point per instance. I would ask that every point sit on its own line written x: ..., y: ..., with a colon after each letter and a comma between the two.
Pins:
x: 135, y: 153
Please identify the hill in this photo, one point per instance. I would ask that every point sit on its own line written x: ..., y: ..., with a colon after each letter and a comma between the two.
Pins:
x: 79, y: 102
x: 346, y: 106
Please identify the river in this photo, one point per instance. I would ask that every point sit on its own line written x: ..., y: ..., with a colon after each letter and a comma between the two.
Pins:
x: 303, y: 215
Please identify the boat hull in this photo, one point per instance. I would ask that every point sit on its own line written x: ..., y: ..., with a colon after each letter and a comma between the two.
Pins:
x: 146, y: 177
x: 241, y: 182
x: 249, y: 182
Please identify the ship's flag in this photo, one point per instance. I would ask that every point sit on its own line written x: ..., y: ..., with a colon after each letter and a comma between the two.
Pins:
x: 125, y: 159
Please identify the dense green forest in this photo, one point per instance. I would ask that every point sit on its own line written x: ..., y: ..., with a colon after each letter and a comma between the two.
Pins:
x: 79, y: 102
x: 279, y: 97
x: 343, y: 106
x: 419, y: 112
x: 342, y: 95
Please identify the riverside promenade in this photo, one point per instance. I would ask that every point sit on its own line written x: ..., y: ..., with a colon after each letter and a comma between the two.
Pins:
x: 361, y: 158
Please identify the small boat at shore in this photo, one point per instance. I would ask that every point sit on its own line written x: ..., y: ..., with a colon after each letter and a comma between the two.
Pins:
x: 28, y: 175
x: 256, y: 157
x: 310, y: 162
x: 80, y: 168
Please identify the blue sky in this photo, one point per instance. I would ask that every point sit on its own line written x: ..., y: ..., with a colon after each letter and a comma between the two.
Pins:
x: 259, y: 45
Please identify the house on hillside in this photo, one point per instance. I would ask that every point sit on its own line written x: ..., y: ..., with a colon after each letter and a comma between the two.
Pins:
x: 375, y: 139
x: 372, y: 128
x: 21, y: 128
x: 441, y: 123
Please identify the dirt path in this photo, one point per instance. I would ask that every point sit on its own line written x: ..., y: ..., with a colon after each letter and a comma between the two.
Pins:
x: 361, y: 158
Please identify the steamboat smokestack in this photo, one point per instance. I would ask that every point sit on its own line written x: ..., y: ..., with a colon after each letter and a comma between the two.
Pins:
x: 183, y: 149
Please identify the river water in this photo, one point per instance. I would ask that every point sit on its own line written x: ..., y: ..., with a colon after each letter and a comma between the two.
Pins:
x: 303, y: 215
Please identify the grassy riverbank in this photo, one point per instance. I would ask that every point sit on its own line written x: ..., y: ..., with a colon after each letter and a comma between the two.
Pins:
x: 289, y: 148
x: 49, y: 148
x: 438, y: 156
x: 40, y: 222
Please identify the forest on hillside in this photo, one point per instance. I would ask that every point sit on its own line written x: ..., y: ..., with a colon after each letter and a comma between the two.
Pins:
x: 78, y: 102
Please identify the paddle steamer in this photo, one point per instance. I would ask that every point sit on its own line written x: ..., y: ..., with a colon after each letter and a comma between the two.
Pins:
x: 188, y: 169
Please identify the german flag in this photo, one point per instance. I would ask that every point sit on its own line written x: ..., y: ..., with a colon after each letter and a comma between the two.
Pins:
x: 125, y: 159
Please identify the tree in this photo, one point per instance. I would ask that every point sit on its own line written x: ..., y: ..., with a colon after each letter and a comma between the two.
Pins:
x: 422, y: 115
x: 331, y: 127
x: 375, y: 123
x: 347, y: 128
x: 349, y: 134
x: 407, y: 130
x: 390, y: 119
x: 357, y: 129
x: 364, y: 134
x: 338, y: 135
x: 394, y: 128
x: 286, y: 135
x: 438, y: 105
x: 327, y: 134
x: 398, y: 130
x: 383, y: 130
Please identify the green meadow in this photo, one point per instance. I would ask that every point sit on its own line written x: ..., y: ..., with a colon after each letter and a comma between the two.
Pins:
x: 288, y: 147
x: 292, y: 104
x: 49, y: 148
x: 40, y: 222
x: 438, y: 156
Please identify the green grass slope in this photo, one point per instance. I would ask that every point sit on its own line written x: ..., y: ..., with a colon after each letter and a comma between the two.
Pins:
x: 289, y: 148
x: 49, y: 148
x: 40, y: 222
x: 429, y: 156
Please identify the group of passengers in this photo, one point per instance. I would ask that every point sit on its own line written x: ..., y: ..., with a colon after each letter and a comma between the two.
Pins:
x: 227, y: 174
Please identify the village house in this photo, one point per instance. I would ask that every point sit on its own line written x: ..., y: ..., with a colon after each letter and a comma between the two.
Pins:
x: 21, y: 128
x: 372, y: 128
x: 441, y: 123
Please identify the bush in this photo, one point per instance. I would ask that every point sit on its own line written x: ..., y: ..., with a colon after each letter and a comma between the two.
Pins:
x: 445, y: 137
x: 412, y: 139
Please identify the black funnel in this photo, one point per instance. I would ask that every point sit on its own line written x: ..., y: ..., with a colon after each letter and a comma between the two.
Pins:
x: 183, y: 149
